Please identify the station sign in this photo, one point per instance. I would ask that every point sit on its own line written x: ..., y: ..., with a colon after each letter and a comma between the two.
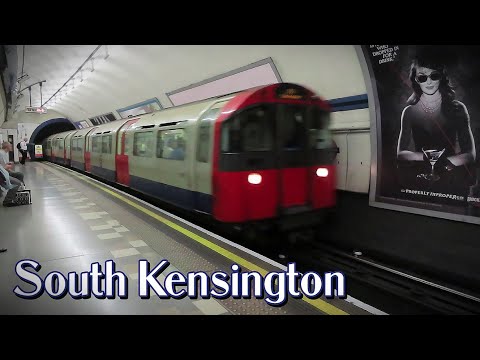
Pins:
x: 36, y: 109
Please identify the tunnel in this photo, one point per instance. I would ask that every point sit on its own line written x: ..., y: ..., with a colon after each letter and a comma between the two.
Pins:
x: 47, y: 128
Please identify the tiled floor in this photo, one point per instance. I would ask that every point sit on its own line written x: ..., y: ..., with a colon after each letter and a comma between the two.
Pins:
x: 71, y: 224
x: 64, y: 230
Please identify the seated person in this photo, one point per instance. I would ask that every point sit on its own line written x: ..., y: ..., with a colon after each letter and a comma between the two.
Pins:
x: 178, y: 152
x: 6, y: 148
x: 167, y: 149
x: 11, y: 185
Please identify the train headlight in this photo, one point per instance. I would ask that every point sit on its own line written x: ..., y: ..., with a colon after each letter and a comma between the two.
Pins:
x: 254, y: 178
x: 322, y: 172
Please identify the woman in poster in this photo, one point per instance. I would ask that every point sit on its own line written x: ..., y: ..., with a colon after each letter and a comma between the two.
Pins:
x: 438, y: 127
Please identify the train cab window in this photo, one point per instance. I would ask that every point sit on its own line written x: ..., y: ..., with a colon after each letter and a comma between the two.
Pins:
x: 250, y: 130
x: 204, y: 138
x: 107, y: 144
x: 143, y: 144
x: 96, y: 144
x: 171, y: 144
x: 293, y: 128
x: 320, y: 136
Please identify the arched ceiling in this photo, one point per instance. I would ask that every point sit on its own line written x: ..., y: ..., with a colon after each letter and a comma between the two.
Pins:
x: 53, y: 63
x: 134, y: 73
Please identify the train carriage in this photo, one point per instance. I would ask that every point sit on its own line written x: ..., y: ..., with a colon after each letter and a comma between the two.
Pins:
x: 171, y: 154
x: 264, y: 156
x: 58, y: 150
x: 102, y: 159
x: 79, y: 144
x: 47, y: 148
x: 68, y: 147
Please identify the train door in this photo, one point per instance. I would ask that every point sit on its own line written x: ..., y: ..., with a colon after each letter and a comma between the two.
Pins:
x: 69, y: 140
x: 52, y: 150
x: 88, y: 150
x: 305, y: 156
x: 292, y: 156
x: 173, y: 157
x: 121, y: 157
x: 61, y: 151
x: 202, y: 168
x: 96, y: 152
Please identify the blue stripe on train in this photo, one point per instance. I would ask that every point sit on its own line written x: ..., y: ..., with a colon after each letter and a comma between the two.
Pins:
x: 78, y: 165
x: 184, y: 198
x: 107, y: 174
x: 58, y: 160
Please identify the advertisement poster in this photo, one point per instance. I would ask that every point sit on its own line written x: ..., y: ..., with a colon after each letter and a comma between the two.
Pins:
x: 144, y: 107
x: 426, y: 128
x: 38, y: 151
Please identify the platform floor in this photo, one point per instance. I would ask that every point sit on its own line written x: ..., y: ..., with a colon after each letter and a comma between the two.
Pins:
x: 74, y: 221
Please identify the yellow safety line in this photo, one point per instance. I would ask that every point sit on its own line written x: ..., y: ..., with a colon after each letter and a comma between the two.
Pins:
x: 318, y: 303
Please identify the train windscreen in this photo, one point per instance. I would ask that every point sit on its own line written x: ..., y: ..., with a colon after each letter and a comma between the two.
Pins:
x: 275, y: 136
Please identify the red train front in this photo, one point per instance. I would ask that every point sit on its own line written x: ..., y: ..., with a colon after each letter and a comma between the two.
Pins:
x: 274, y: 158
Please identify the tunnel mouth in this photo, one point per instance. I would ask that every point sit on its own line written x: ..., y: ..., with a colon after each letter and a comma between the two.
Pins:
x: 50, y: 127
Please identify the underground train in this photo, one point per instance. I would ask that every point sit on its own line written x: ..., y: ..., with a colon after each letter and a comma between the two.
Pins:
x: 260, y: 158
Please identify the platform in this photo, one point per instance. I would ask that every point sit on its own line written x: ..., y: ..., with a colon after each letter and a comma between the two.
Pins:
x: 74, y: 221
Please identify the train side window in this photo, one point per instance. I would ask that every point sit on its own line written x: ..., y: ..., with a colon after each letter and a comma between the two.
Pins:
x: 127, y: 143
x: 320, y: 136
x: 80, y: 143
x: 143, y: 144
x: 203, y: 142
x: 171, y: 144
x: 74, y: 144
x: 60, y: 144
x: 125, y: 133
x: 107, y: 144
x: 204, y: 129
x: 96, y: 145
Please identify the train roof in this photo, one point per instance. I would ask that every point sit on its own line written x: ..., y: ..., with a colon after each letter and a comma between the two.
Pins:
x: 192, y: 111
x: 109, y: 127
x: 60, y: 135
x: 173, y: 115
x: 84, y: 131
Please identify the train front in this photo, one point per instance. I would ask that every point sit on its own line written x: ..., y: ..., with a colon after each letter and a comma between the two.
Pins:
x: 274, y: 159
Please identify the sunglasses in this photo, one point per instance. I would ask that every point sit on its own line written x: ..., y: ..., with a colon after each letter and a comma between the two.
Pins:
x: 435, y: 76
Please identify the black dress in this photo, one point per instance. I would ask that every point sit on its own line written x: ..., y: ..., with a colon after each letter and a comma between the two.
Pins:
x: 447, y: 128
